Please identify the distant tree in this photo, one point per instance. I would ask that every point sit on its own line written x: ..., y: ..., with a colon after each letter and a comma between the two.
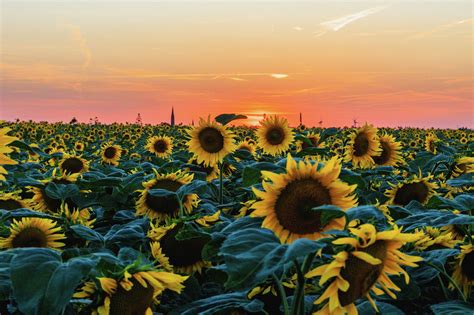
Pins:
x: 73, y: 121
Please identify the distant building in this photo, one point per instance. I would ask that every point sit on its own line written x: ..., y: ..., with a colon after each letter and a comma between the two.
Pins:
x: 172, y: 116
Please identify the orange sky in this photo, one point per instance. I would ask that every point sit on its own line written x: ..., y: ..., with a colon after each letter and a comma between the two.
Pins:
x: 387, y: 62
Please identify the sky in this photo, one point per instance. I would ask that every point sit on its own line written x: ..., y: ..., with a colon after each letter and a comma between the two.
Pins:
x: 389, y: 63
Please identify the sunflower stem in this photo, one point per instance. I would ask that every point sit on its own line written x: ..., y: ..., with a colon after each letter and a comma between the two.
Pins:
x: 298, y: 299
x: 449, y: 278
x: 281, y: 292
x: 221, y: 183
x: 181, y: 208
x: 443, y: 287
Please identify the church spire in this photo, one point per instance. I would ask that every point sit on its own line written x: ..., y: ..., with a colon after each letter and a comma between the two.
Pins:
x: 172, y: 116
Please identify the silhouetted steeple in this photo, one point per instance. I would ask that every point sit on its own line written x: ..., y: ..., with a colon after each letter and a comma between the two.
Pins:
x: 172, y: 116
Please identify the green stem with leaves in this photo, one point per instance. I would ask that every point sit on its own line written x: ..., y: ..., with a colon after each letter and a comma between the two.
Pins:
x: 298, y: 299
x: 221, y: 183
x: 449, y: 278
x: 282, y: 294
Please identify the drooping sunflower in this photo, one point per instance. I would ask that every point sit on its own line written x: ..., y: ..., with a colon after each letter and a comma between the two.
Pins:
x: 41, y: 201
x: 247, y: 145
x: 4, y: 149
x: 463, y: 273
x: 363, y: 145
x: 71, y: 164
x: 163, y: 207
x: 435, y: 237
x: 210, y: 142
x: 33, y: 232
x: 366, y: 268
x: 419, y: 188
x: 288, y: 199
x: 391, y: 151
x: 132, y: 292
x: 183, y: 256
x: 464, y: 165
x: 161, y: 146
x: 274, y: 135
x: 430, y: 143
x: 11, y: 201
x: 111, y: 153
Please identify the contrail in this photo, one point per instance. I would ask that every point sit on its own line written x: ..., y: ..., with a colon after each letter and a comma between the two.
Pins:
x: 337, y: 24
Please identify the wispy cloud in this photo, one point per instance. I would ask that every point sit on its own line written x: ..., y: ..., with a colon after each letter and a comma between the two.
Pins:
x: 80, y: 40
x: 442, y: 28
x: 339, y: 23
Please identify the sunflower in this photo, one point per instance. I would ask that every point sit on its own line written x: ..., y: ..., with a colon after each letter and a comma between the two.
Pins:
x: 33, y: 232
x: 210, y: 142
x: 391, y: 151
x: 212, y: 171
x: 132, y: 292
x: 5, y: 160
x: 71, y: 164
x: 430, y: 143
x: 42, y: 202
x: 247, y: 145
x: 464, y: 165
x: 161, y: 146
x: 111, y: 153
x: 79, y: 146
x: 183, y: 256
x: 363, y: 145
x: 75, y: 216
x: 274, y: 135
x: 288, y: 200
x: 11, y: 201
x: 434, y: 237
x: 375, y: 256
x: 163, y: 207
x: 313, y: 140
x: 463, y: 273
x: 419, y: 188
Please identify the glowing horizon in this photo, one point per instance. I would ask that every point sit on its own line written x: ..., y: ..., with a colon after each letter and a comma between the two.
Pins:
x: 389, y: 63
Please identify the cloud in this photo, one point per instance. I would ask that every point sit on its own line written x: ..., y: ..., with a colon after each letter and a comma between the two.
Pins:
x: 81, y: 41
x: 297, y: 28
x: 339, y: 23
x: 442, y: 28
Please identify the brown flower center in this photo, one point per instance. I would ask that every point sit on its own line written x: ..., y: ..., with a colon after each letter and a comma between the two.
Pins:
x: 275, y: 135
x: 467, y: 266
x: 133, y: 302
x: 182, y: 253
x: 362, y: 275
x: 72, y: 165
x: 386, y: 153
x: 294, y: 204
x: 313, y: 143
x: 211, y: 140
x: 412, y: 191
x: 30, y: 237
x: 361, y: 144
x: 165, y: 204
x: 110, y: 152
x: 160, y: 146
x: 10, y: 204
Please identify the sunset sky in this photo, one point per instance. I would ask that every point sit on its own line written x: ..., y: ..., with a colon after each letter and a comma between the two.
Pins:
x: 391, y: 63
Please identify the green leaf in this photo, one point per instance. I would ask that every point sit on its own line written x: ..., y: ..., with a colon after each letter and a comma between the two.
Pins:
x: 384, y: 308
x: 367, y: 214
x: 219, y: 304
x: 61, y: 191
x: 252, y: 255
x: 452, y: 308
x: 251, y: 176
x: 434, y: 218
x: 463, y: 180
x: 87, y: 233
x: 42, y: 283
x: 329, y: 212
x: 224, y: 119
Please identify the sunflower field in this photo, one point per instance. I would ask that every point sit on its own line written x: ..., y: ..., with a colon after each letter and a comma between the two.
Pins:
x: 219, y: 219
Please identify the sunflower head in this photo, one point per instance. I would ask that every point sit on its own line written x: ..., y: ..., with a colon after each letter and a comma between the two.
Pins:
x: 288, y: 199
x: 71, y: 164
x: 274, y: 135
x: 463, y: 273
x: 33, y: 232
x: 161, y: 146
x: 210, y: 142
x: 391, y: 151
x: 353, y: 274
x: 419, y: 188
x: 111, y: 153
x: 430, y: 143
x: 163, y: 207
x: 363, y: 146
x: 464, y: 165
x: 11, y: 201
x: 5, y: 160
